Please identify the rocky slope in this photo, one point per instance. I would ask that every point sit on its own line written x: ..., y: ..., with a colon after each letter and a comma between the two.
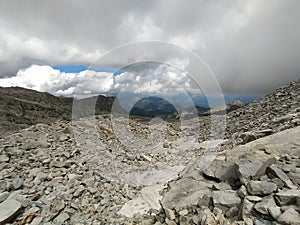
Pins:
x: 225, y: 109
x: 84, y: 172
x: 21, y: 108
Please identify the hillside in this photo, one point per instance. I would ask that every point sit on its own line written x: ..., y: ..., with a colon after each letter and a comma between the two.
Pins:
x: 21, y: 108
x: 86, y: 173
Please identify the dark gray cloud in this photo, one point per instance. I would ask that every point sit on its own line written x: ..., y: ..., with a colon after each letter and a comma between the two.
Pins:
x: 251, y: 45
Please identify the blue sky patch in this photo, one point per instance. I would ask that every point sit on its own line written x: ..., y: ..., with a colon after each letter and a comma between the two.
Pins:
x: 79, y: 68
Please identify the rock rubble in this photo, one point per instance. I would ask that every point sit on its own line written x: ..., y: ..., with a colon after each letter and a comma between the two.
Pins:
x: 49, y: 174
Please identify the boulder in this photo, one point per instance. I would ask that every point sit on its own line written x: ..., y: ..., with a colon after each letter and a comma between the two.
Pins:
x: 264, y: 206
x: 290, y: 217
x: 261, y: 187
x: 225, y: 199
x: 276, y: 172
x: 287, y: 197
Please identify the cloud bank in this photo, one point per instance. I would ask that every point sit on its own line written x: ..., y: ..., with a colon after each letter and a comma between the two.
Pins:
x: 89, y: 82
x: 252, y: 46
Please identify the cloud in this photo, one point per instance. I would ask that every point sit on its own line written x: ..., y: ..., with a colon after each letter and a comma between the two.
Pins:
x: 252, y: 46
x: 163, y: 79
x: 46, y: 79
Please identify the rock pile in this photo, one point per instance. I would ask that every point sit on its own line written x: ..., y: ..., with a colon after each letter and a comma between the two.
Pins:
x: 277, y: 111
x: 51, y: 175
x: 257, y: 183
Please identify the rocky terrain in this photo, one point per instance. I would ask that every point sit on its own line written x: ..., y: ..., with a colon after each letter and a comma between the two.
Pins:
x: 94, y: 171
x: 21, y: 108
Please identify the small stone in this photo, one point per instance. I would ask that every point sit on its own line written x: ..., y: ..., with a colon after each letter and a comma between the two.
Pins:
x: 290, y: 217
x: 17, y: 183
x: 248, y: 169
x: 40, y: 178
x: 278, y: 182
x: 232, y: 212
x: 263, y: 206
x: 287, y: 197
x: 295, y: 177
x: 170, y: 214
x: 3, y: 186
x: 275, y: 212
x: 208, y: 217
x: 248, y: 221
x: 246, y: 209
x: 261, y: 187
x: 217, y: 211
x: 4, y: 158
x: 274, y: 171
x: 9, y: 209
x: 248, y: 137
x: 225, y: 199
x: 242, y: 192
x: 4, y: 196
x: 183, y: 212
x: 61, y: 218
x: 205, y: 201
x: 253, y: 198
x: 170, y: 222
x: 221, y: 186
x: 79, y: 191
x: 59, y: 164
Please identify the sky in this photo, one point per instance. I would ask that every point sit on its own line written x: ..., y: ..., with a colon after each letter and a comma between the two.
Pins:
x: 68, y: 47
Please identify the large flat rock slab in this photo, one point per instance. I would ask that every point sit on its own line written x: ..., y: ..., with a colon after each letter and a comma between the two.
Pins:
x: 9, y: 209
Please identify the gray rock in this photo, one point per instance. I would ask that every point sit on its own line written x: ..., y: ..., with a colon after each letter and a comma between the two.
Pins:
x: 170, y: 213
x: 79, y: 191
x: 261, y: 187
x: 248, y: 169
x: 217, y: 170
x: 262, y: 222
x: 242, y: 192
x: 225, y: 199
x: 4, y: 158
x: 9, y: 209
x: 248, y: 136
x: 253, y: 198
x: 275, y: 212
x: 290, y: 217
x: 295, y: 177
x: 61, y: 218
x: 221, y: 186
x: 263, y: 206
x: 246, y: 209
x: 17, y: 183
x: 232, y: 212
x: 208, y: 217
x: 58, y: 164
x: 275, y: 171
x: 3, y: 185
x: 4, y: 196
x: 287, y: 197
x: 40, y: 178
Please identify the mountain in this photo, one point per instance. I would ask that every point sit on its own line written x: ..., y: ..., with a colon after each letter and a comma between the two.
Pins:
x: 220, y: 110
x: 21, y: 108
x: 154, y: 106
x: 103, y: 104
